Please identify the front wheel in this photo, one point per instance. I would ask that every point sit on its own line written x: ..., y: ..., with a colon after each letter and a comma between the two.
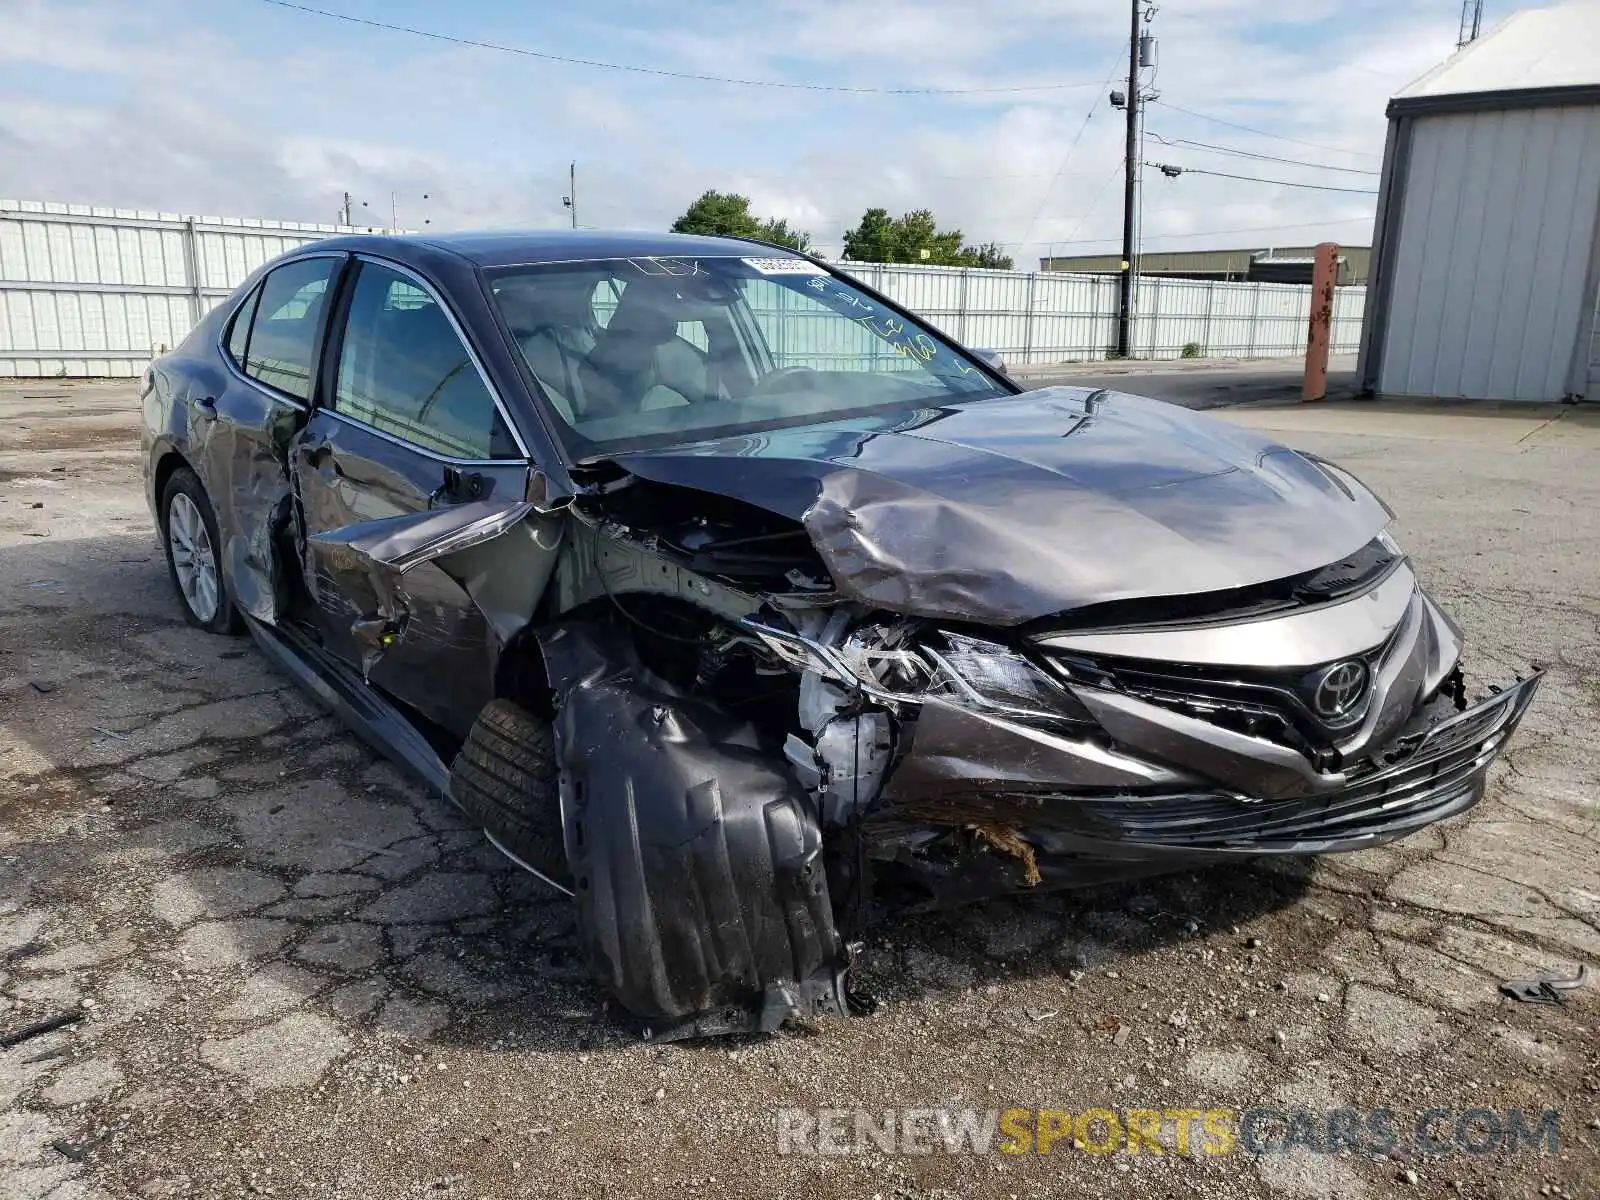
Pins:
x: 194, y: 555
x: 506, y: 779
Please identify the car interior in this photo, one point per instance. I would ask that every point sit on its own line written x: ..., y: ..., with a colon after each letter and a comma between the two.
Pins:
x: 625, y: 350
x: 636, y: 361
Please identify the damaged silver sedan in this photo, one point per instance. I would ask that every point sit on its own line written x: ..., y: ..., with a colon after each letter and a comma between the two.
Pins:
x: 745, y: 608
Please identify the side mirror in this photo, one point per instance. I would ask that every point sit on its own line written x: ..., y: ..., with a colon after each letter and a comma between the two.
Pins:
x: 992, y: 360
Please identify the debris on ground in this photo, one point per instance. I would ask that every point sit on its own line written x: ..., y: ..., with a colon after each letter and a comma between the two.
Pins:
x: 1547, y: 989
x: 39, y: 1028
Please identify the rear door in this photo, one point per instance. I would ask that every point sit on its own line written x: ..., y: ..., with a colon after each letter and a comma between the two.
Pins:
x: 407, y: 425
x: 242, y: 420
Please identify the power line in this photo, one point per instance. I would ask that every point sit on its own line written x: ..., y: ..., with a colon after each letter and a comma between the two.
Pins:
x: 1089, y: 212
x: 1258, y: 132
x: 1116, y: 61
x: 1293, y: 162
x: 664, y: 73
x: 856, y: 176
x: 1315, y: 187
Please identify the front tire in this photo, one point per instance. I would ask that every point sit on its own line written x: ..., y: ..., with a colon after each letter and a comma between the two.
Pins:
x: 194, y: 555
x: 506, y: 779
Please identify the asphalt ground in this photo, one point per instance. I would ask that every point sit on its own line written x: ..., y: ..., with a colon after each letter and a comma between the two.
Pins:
x: 296, y: 974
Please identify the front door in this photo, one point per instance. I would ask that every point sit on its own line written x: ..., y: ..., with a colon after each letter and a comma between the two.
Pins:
x: 407, y: 426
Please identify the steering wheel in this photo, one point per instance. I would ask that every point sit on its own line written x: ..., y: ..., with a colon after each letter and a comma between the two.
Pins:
x: 776, y: 379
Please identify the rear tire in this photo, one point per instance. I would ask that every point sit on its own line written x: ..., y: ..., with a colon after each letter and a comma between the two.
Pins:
x: 194, y: 555
x: 506, y: 778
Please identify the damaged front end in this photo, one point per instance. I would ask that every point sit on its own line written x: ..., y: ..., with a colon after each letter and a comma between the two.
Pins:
x: 748, y: 780
x: 1066, y: 757
x: 753, y: 765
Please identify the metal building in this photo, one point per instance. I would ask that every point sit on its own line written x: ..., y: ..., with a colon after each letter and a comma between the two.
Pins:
x: 1486, y: 256
x: 1282, y: 264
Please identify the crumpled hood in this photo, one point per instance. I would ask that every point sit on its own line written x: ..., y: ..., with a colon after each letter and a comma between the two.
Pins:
x: 1005, y: 511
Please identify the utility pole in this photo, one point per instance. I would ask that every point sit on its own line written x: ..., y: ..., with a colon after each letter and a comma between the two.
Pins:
x: 345, y: 216
x: 570, y: 200
x: 1130, y: 190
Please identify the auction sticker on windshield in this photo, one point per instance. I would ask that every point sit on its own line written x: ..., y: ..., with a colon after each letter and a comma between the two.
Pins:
x: 783, y: 266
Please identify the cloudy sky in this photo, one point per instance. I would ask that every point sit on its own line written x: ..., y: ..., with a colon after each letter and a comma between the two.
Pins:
x: 246, y: 107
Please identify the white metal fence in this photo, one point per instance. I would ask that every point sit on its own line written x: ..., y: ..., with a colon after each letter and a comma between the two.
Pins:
x: 98, y: 291
x: 1048, y: 317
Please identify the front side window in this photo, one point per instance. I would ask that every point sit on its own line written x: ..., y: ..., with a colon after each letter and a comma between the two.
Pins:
x: 283, y: 332
x: 641, y: 352
x: 403, y: 369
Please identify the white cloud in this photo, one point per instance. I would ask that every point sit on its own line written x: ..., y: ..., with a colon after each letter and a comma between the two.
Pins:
x: 164, y: 105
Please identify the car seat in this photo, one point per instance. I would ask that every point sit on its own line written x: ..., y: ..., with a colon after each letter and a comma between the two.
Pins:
x: 639, y: 362
x: 553, y: 322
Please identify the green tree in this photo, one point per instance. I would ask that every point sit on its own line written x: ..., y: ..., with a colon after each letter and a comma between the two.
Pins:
x: 987, y: 255
x: 777, y: 230
x: 726, y: 214
x: 876, y: 239
x: 915, y: 237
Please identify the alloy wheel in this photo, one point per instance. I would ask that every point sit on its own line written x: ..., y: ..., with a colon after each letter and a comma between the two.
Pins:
x: 193, y: 560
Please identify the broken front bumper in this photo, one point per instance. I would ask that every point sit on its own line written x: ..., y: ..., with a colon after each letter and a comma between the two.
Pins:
x: 1427, y: 775
x: 993, y: 774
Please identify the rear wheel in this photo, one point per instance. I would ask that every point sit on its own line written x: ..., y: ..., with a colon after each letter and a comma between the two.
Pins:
x: 194, y: 559
x: 505, y: 777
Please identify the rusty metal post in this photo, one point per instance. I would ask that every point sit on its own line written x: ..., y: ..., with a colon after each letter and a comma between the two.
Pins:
x: 1324, y: 275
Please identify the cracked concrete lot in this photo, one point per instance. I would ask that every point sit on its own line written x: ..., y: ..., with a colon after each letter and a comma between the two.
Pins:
x: 296, y: 974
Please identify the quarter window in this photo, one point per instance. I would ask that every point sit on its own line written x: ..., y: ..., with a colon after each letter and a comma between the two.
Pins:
x: 283, y: 333
x: 403, y: 369
x: 239, y: 333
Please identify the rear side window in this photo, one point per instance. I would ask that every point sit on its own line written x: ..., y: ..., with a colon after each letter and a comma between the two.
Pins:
x: 239, y: 333
x: 283, y: 331
x: 403, y: 369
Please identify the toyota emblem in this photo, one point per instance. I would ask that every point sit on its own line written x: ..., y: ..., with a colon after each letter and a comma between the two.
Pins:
x: 1339, y: 690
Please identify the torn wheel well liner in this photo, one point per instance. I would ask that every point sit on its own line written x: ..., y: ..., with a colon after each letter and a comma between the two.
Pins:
x: 697, y: 858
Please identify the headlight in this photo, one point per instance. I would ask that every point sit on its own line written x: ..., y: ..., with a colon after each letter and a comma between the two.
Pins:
x: 852, y: 666
x: 994, y: 678
x: 971, y: 672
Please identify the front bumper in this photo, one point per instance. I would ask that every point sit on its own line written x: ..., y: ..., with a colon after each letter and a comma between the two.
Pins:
x: 1435, y: 767
x: 1433, y: 771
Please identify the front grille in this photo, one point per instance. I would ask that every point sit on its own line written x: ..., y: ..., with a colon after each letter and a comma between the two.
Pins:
x: 1436, y: 774
x: 1265, y: 714
x: 1271, y: 704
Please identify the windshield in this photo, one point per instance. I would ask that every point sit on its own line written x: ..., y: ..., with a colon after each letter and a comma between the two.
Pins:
x: 655, y: 351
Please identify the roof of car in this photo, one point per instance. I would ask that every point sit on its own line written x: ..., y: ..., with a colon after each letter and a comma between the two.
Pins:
x: 507, y: 248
